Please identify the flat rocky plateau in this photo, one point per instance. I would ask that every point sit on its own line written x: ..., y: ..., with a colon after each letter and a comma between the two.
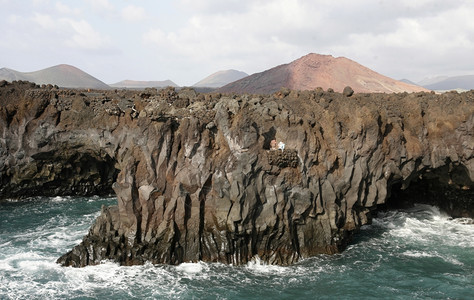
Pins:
x: 196, y: 178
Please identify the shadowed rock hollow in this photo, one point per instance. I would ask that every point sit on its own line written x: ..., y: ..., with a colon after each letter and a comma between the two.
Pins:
x: 197, y: 179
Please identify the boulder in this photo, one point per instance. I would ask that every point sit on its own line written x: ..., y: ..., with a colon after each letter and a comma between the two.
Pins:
x: 348, y: 91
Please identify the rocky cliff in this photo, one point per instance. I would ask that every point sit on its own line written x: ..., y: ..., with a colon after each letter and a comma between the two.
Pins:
x: 196, y: 178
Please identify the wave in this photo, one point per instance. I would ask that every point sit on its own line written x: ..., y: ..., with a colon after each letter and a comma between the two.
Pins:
x: 427, y: 225
x: 401, y: 252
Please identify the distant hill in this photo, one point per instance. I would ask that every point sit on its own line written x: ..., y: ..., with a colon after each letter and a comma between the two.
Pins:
x: 133, y: 84
x: 221, y: 78
x: 11, y: 75
x: 465, y: 82
x: 62, y: 75
x: 431, y: 80
x: 315, y: 70
x: 408, y: 81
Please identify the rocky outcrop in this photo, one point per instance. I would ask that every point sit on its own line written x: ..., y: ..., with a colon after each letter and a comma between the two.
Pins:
x: 198, y: 179
x: 48, y: 144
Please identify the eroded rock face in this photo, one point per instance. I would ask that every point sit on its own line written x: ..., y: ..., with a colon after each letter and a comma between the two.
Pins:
x: 198, y: 180
x: 49, y: 145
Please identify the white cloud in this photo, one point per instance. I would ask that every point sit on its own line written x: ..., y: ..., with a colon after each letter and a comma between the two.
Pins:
x: 85, y: 36
x: 215, y: 6
x: 40, y: 2
x: 390, y: 37
x: 13, y: 19
x: 263, y: 32
x: 441, y: 43
x: 189, y: 39
x: 155, y: 36
x: 73, y: 33
x: 64, y: 9
x: 133, y: 13
x: 45, y: 21
x: 101, y: 6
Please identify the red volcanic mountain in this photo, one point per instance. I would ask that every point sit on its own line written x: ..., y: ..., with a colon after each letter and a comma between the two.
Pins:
x: 315, y: 70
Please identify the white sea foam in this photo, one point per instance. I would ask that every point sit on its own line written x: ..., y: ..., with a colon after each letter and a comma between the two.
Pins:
x: 21, y: 261
x: 33, y: 265
x: 45, y: 279
x: 425, y: 224
x: 418, y: 254
x: 422, y: 254
x: 258, y: 266
x: 190, y: 268
x: 96, y: 198
x: 5, y: 244
x: 60, y: 199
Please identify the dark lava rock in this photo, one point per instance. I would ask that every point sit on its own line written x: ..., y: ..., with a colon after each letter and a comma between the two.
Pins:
x: 195, y: 179
x: 348, y: 91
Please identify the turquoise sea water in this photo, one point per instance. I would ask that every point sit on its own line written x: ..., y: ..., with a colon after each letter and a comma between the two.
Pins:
x: 412, y: 254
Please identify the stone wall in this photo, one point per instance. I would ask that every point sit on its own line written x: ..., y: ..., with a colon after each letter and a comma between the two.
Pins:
x: 283, y: 158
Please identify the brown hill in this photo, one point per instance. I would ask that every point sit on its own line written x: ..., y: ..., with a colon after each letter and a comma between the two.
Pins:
x: 62, y: 75
x: 221, y: 78
x: 136, y: 84
x: 315, y: 70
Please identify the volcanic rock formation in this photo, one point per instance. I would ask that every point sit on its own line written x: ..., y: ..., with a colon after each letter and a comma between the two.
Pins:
x: 198, y: 179
x: 315, y: 70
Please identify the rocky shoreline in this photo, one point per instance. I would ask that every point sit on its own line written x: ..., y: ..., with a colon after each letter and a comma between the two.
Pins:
x: 196, y: 178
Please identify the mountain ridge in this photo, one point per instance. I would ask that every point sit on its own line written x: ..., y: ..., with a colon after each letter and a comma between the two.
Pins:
x: 317, y: 70
x: 306, y: 73
x: 143, y: 84
x: 221, y: 78
x: 63, y: 75
x: 462, y: 82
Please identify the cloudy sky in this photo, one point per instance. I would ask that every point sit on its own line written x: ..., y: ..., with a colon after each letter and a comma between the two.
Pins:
x: 187, y: 40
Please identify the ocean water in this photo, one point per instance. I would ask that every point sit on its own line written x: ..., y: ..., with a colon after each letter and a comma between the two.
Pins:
x: 412, y: 254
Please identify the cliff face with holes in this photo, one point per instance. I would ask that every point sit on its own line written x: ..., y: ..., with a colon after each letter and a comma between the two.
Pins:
x: 197, y: 179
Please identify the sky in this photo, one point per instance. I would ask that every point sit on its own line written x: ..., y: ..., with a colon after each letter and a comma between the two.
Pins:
x: 187, y: 40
